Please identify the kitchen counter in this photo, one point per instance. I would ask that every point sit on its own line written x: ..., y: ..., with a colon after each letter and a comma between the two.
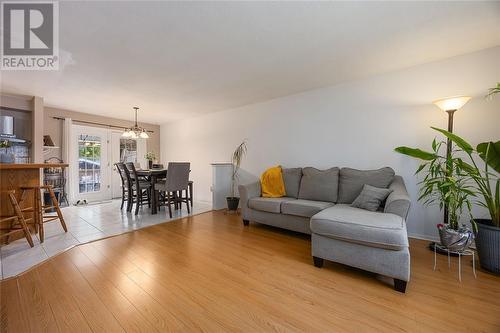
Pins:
x: 9, y: 166
x: 13, y: 177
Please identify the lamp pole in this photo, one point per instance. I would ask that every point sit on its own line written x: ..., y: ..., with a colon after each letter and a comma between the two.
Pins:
x: 449, y: 166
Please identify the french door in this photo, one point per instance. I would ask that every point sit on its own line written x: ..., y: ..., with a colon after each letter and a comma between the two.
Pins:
x: 90, y: 167
x: 93, y: 154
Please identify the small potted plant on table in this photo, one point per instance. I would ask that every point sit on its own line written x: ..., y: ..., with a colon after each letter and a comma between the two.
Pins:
x: 233, y: 201
x: 150, y: 156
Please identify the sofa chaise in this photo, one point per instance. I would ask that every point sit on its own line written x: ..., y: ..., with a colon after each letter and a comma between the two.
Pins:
x: 318, y: 202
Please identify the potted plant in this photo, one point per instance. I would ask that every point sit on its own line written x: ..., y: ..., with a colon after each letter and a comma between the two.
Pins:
x: 444, y: 183
x: 150, y: 156
x: 233, y: 201
x: 486, y: 186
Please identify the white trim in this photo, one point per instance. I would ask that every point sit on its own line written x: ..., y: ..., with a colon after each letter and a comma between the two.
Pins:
x: 66, y: 156
x: 423, y: 237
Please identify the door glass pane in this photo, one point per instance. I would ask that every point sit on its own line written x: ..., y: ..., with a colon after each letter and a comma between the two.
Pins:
x: 128, y: 150
x: 89, y: 161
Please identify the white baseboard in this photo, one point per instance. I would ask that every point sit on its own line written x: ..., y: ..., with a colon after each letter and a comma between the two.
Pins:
x: 423, y: 237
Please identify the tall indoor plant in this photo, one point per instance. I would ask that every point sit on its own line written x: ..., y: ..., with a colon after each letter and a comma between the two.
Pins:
x: 236, y: 158
x: 486, y: 187
x: 444, y: 184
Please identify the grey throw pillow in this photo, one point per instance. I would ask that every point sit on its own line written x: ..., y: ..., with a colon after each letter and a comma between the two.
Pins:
x: 291, y: 178
x: 319, y: 185
x: 351, y: 181
x: 371, y: 197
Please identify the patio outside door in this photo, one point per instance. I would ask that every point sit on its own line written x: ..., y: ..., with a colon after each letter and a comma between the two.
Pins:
x: 91, y: 169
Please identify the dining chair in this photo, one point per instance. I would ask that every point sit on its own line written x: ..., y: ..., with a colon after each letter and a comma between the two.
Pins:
x: 126, y: 183
x: 190, y: 195
x: 140, y: 189
x: 175, y: 187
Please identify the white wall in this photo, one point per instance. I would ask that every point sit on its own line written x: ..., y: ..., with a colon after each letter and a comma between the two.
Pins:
x: 356, y: 124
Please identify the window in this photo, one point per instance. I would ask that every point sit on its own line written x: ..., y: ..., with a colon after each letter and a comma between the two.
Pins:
x: 128, y: 150
x: 89, y: 161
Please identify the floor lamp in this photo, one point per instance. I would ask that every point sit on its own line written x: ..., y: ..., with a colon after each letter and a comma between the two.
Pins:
x: 449, y: 105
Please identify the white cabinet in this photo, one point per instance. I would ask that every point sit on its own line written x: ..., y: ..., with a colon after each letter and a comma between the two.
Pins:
x: 221, y: 184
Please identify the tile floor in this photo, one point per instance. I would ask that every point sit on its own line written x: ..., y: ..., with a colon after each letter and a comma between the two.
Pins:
x: 85, y: 224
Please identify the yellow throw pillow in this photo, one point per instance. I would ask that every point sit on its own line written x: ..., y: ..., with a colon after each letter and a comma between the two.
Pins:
x: 272, y: 183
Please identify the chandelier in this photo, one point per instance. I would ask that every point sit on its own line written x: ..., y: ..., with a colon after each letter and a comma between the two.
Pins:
x: 136, y: 131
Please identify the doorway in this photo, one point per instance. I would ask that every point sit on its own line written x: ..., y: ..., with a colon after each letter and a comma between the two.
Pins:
x: 94, y: 151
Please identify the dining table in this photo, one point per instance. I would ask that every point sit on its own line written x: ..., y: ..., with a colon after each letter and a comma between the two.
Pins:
x: 153, y: 175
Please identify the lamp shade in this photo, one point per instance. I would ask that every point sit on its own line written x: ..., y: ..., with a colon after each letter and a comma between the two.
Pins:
x: 144, y: 134
x: 451, y: 103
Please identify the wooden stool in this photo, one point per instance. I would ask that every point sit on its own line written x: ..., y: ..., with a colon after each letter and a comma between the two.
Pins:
x: 39, y: 210
x: 17, y: 221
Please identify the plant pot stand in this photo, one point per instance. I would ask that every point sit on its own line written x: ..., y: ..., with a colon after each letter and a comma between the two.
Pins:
x: 439, y: 249
x: 458, y: 254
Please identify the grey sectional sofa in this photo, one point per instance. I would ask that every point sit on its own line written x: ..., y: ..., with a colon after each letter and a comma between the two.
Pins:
x: 318, y: 202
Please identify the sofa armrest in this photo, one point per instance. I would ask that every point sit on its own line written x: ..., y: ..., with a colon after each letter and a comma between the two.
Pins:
x: 247, y: 192
x: 398, y: 202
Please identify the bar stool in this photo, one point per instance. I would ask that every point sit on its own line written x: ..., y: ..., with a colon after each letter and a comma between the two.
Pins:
x: 39, y: 210
x: 17, y: 221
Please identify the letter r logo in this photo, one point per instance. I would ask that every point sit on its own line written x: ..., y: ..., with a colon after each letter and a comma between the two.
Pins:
x: 28, y: 28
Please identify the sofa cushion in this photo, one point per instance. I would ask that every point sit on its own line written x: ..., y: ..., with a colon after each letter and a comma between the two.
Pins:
x: 319, y: 185
x: 350, y: 224
x: 291, y: 177
x: 305, y: 208
x: 270, y: 205
x: 351, y: 181
x: 371, y: 197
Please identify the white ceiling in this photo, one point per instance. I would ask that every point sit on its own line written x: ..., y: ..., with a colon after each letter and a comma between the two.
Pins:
x: 179, y: 59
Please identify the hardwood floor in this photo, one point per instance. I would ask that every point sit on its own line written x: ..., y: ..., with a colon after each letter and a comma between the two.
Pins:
x: 210, y: 273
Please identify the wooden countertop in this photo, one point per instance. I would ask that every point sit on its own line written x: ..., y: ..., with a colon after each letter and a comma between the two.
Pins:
x: 7, y: 166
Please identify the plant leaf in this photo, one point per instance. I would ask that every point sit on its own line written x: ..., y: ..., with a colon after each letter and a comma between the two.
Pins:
x: 415, y: 152
x: 456, y: 139
x: 420, y: 168
x: 490, y: 153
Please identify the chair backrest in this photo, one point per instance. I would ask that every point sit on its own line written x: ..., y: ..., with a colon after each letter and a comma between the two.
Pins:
x: 132, y: 172
x: 177, y: 176
x: 122, y: 170
x: 131, y: 169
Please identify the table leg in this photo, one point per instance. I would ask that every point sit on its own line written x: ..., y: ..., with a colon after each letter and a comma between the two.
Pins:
x: 154, y: 194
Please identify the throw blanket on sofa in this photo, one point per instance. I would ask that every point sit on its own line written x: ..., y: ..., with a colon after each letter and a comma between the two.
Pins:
x: 272, y: 183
